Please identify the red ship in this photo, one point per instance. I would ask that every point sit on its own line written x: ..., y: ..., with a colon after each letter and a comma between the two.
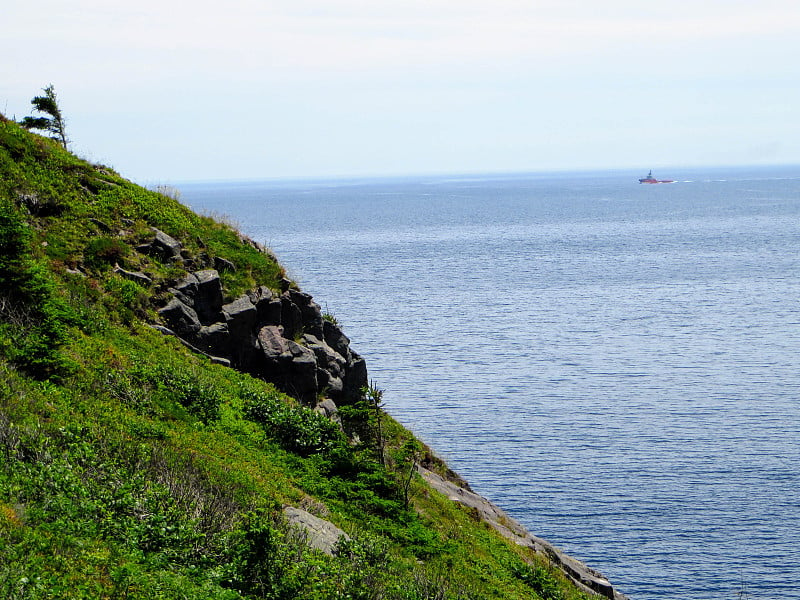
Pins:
x: 651, y: 179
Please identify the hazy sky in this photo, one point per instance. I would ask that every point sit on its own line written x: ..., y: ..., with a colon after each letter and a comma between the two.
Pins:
x: 172, y: 90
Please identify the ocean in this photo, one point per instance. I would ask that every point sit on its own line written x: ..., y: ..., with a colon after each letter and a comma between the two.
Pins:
x: 617, y: 365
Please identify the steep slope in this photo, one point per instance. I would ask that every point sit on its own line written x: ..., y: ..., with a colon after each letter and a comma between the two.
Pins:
x: 177, y: 420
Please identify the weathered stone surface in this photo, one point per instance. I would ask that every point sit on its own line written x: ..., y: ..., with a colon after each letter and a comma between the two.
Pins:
x: 330, y: 366
x: 139, y: 278
x: 214, y: 339
x: 320, y: 534
x: 327, y: 408
x: 355, y: 378
x: 337, y: 340
x: 327, y: 357
x: 272, y: 342
x: 267, y: 305
x: 165, y: 246
x: 291, y: 317
x: 181, y: 319
x: 260, y: 294
x: 310, y: 312
x: 302, y: 382
x: 242, y: 317
x: 223, y: 264
x: 257, y: 333
x: 208, y: 299
x: 186, y: 289
x: 585, y: 577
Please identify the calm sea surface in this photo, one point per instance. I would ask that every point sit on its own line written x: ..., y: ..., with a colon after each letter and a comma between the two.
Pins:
x: 617, y: 365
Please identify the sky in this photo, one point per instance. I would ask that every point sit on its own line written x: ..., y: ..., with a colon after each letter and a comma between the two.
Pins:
x: 173, y: 91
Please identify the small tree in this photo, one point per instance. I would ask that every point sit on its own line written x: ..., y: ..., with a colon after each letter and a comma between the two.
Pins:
x: 54, y: 123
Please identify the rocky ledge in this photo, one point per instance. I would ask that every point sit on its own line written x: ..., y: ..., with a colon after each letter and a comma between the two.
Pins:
x: 279, y: 337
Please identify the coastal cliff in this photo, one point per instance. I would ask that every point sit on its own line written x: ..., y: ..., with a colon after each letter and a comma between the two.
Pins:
x: 178, y: 419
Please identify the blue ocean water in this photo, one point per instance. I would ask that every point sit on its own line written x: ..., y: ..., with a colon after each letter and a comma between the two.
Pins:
x: 617, y: 365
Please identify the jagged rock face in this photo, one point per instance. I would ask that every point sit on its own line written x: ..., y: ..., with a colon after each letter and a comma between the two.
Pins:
x: 283, y: 339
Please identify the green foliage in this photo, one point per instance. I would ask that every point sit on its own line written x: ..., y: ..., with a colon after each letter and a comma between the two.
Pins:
x: 53, y: 122
x: 188, y: 388
x: 296, y: 428
x: 133, y: 468
x: 34, y: 318
x: 539, y: 578
x: 105, y: 251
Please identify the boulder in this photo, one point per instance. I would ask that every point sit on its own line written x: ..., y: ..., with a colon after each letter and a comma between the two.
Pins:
x: 337, y: 340
x: 355, y: 378
x: 165, y: 246
x: 208, y: 299
x: 330, y: 366
x: 214, y: 339
x: 136, y: 276
x: 186, y: 289
x: 291, y: 317
x: 320, y: 534
x: 310, y: 312
x: 241, y: 317
x: 181, y: 319
x: 302, y: 375
x: 272, y: 343
x: 223, y: 264
x: 267, y: 306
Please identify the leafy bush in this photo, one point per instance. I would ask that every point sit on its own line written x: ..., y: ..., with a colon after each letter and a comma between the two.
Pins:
x: 105, y: 251
x: 296, y: 428
x: 171, y: 384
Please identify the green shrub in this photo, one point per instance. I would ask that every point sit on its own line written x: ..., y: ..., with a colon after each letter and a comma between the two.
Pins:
x: 105, y: 251
x: 296, y: 428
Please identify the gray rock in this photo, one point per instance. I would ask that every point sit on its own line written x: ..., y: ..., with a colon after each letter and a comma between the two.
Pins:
x: 337, y: 340
x: 223, y: 264
x: 139, y: 278
x: 267, y: 305
x: 302, y: 382
x: 330, y: 366
x: 355, y: 378
x: 291, y: 317
x: 310, y: 312
x: 241, y: 317
x: 214, y: 339
x: 186, y: 289
x: 181, y: 319
x: 327, y: 408
x: 320, y: 534
x: 165, y: 246
x: 272, y: 342
x: 208, y: 299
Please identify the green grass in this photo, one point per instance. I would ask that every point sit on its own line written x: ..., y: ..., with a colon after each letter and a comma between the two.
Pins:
x: 132, y: 468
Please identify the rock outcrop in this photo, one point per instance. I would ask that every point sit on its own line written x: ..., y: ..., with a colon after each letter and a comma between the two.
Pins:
x: 281, y: 338
x: 320, y: 534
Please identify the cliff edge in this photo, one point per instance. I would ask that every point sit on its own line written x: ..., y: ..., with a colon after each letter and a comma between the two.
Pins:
x: 178, y: 419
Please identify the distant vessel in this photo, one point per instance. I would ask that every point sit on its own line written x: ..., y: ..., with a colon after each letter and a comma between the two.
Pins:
x: 651, y: 179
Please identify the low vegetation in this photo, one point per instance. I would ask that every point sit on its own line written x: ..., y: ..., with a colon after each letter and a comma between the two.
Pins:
x: 131, y: 467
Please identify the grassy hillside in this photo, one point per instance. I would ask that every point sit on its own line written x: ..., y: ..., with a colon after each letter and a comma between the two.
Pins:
x: 132, y: 467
